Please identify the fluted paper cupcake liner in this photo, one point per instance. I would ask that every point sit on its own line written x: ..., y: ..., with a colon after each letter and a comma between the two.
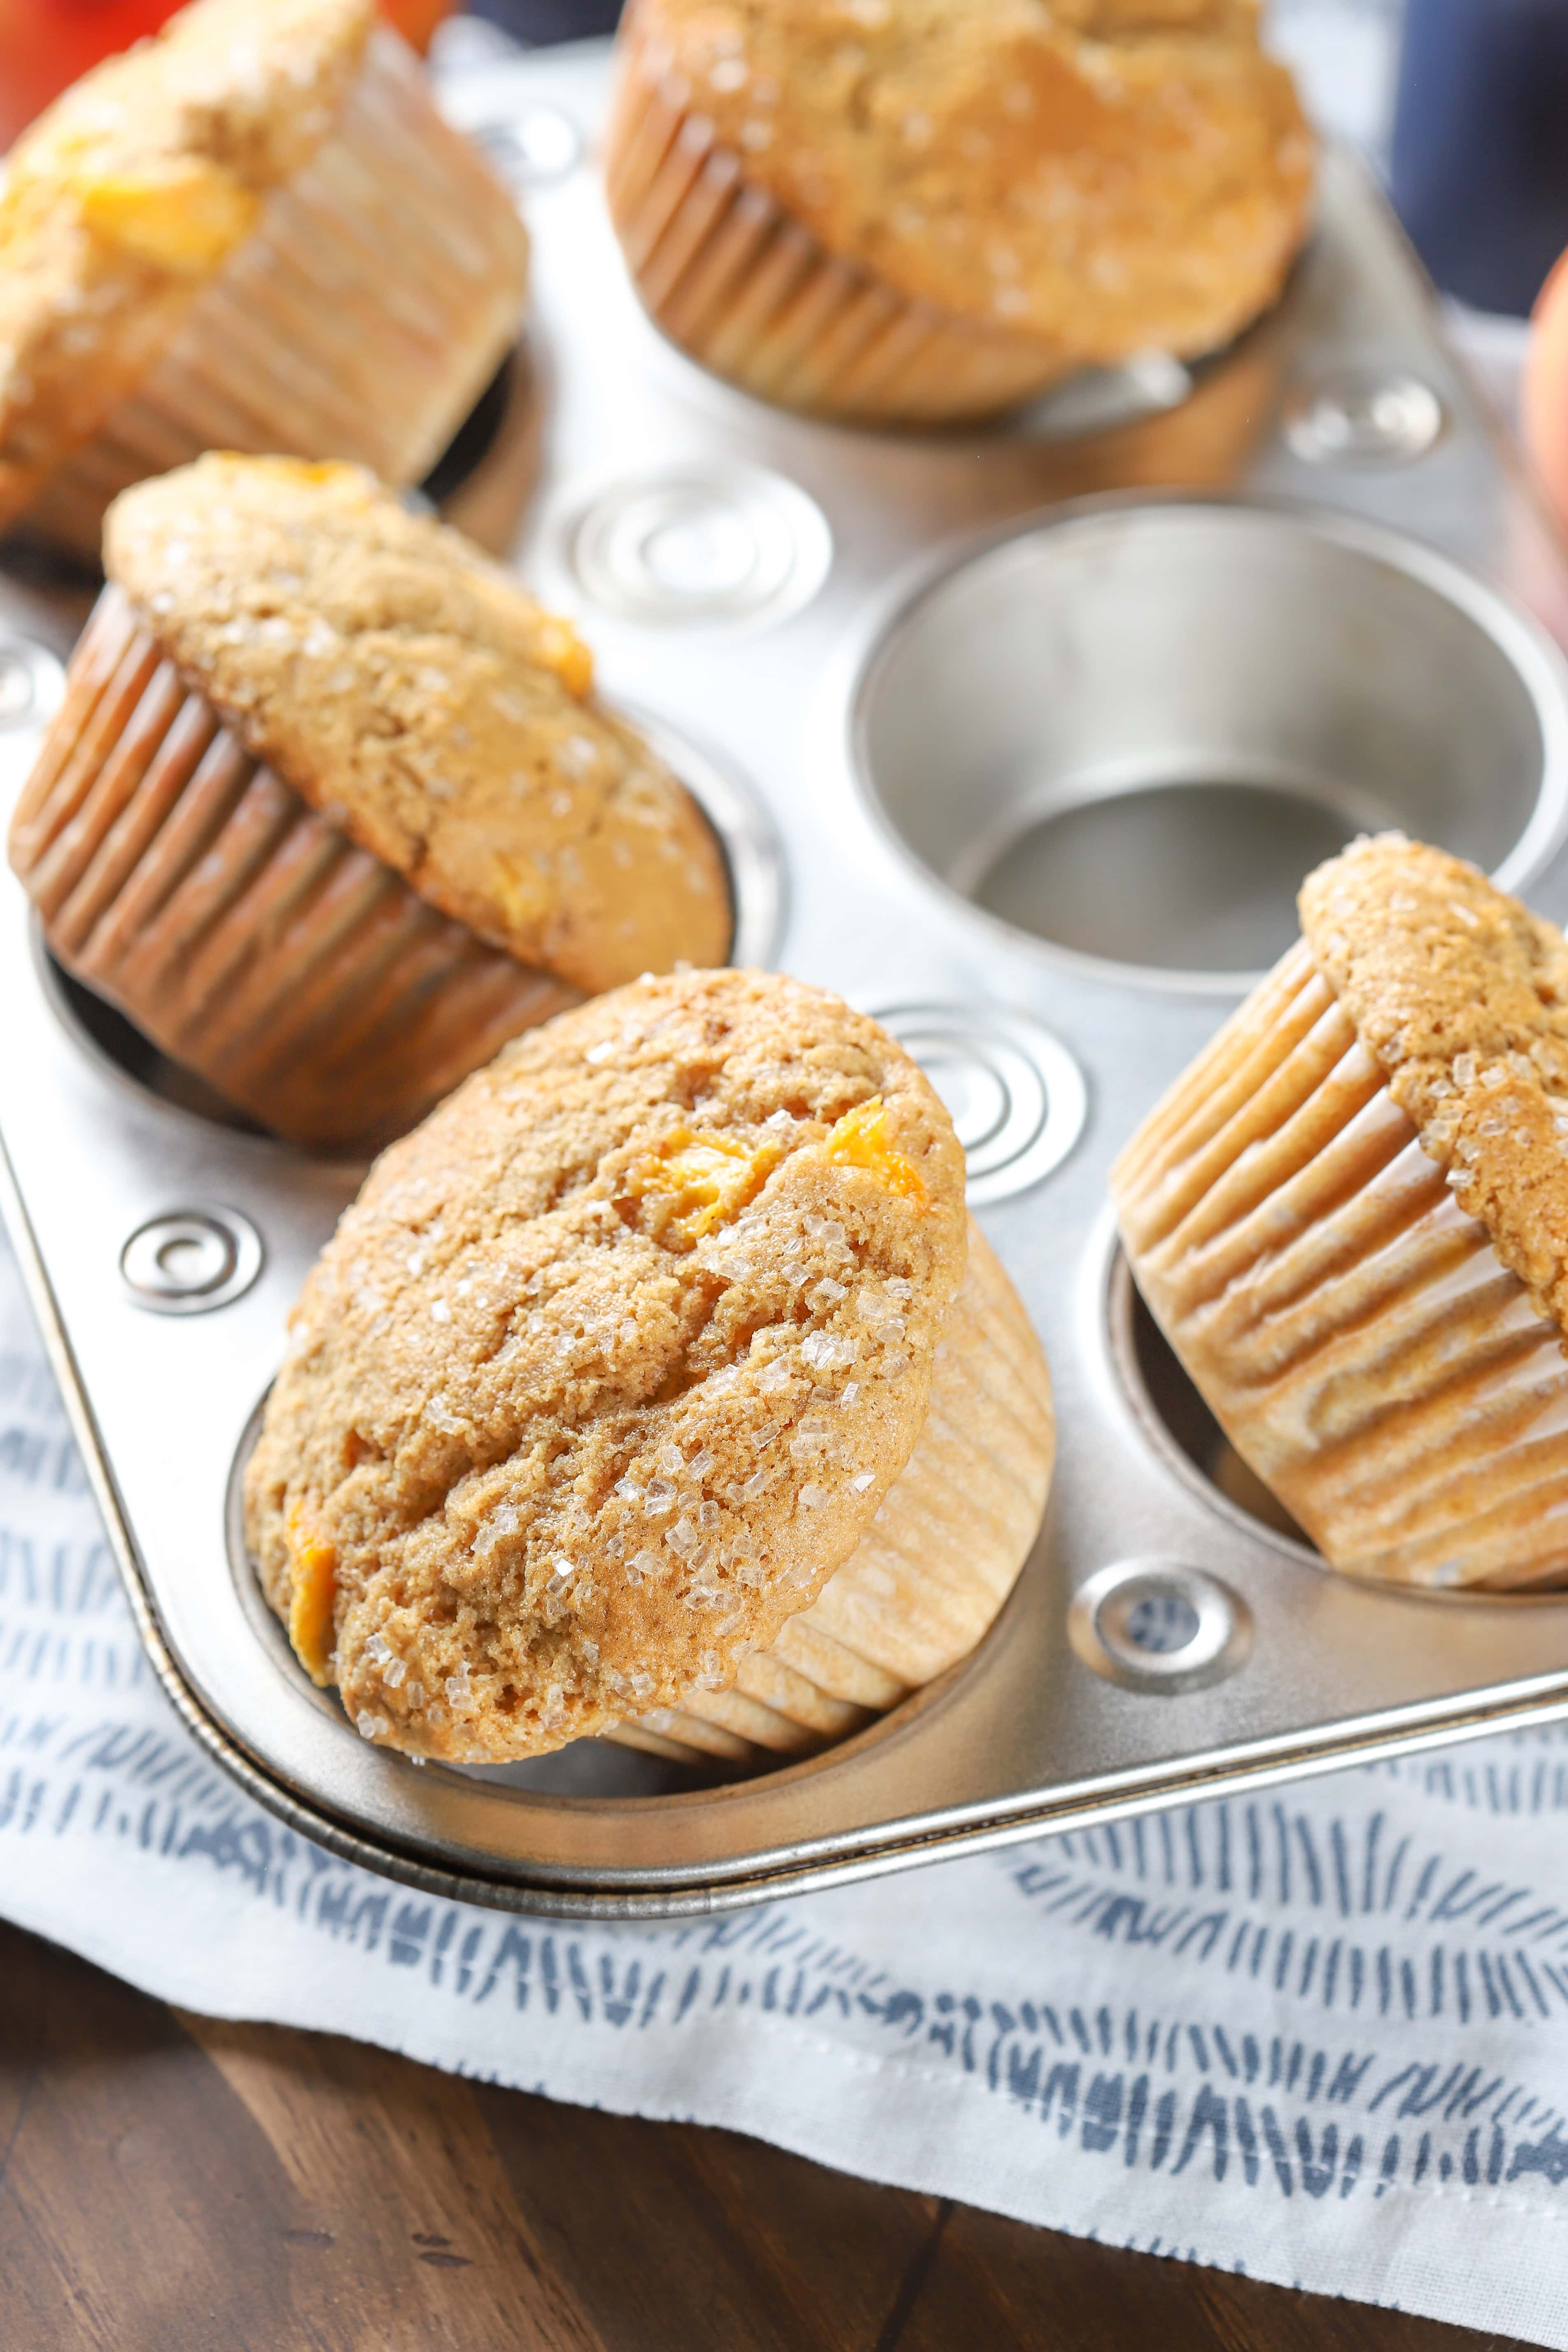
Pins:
x: 361, y: 321
x: 1353, y: 1331
x: 930, y: 1574
x: 748, y: 291
x: 241, y: 932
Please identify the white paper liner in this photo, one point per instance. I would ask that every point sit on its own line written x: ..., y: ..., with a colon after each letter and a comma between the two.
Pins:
x: 1353, y: 1331
x: 361, y: 320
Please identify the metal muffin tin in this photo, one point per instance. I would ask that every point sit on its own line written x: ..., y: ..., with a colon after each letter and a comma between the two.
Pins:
x: 1030, y: 768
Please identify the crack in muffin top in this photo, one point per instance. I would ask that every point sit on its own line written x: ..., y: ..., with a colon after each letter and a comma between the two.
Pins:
x: 133, y: 188
x: 409, y: 688
x: 1105, y: 176
x: 610, y: 1365
x: 1460, y: 994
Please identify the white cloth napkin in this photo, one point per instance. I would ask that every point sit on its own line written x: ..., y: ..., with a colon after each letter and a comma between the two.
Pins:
x: 1319, y: 2036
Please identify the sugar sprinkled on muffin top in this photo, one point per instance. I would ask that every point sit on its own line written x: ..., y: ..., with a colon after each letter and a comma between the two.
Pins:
x: 406, y: 686
x: 1107, y: 175
x: 1461, y: 995
x: 133, y: 187
x: 610, y: 1365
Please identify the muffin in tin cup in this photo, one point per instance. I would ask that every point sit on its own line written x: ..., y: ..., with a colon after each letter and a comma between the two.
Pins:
x: 1349, y: 1217
x: 254, y: 232
x: 657, y: 1387
x: 907, y: 210
x: 330, y: 809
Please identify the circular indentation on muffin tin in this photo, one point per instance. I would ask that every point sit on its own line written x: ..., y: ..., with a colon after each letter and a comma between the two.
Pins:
x: 189, y: 1261
x: 32, y: 681
x: 1363, y: 417
x: 1125, y: 733
x: 533, y: 147
x: 701, y: 543
x: 1016, y: 1095
x: 1159, y: 1625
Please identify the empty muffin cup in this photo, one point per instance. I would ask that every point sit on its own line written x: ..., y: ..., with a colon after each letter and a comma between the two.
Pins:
x: 1127, y: 732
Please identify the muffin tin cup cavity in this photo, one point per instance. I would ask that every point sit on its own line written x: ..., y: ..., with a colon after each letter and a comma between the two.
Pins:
x: 1127, y: 733
x: 747, y: 291
x: 248, y: 938
x: 1354, y: 1332
x: 297, y: 345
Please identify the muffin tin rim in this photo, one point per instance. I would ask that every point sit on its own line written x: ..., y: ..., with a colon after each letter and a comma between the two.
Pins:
x: 1336, y: 1727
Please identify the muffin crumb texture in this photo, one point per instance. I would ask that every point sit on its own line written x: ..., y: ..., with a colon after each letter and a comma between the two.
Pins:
x: 610, y: 1365
x: 407, y: 689
x: 1461, y: 994
x: 133, y: 188
x: 1102, y: 176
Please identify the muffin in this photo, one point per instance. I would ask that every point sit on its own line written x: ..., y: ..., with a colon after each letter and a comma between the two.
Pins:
x: 656, y: 1386
x: 1349, y: 1217
x: 253, y: 232
x: 908, y: 209
x: 330, y: 809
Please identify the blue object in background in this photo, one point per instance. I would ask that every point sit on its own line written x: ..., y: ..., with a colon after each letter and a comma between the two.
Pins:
x: 538, y: 23
x: 1479, y: 164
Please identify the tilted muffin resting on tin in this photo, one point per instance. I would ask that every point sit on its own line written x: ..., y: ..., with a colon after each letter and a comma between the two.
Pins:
x: 1351, y: 1219
x: 330, y: 809
x: 654, y: 1386
x: 254, y: 232
x: 934, y: 208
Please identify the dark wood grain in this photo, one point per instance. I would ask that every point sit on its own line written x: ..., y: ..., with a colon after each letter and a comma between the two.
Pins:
x: 168, y: 2184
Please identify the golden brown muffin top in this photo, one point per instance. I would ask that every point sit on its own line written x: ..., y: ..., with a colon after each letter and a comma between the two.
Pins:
x: 408, y: 688
x: 133, y: 188
x: 1461, y: 995
x: 1105, y: 175
x: 610, y: 1364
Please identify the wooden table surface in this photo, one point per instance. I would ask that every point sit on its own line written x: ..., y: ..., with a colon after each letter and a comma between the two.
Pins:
x: 171, y: 2185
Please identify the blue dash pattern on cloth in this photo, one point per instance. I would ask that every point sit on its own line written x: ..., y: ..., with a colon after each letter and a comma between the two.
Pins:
x: 1321, y: 2036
